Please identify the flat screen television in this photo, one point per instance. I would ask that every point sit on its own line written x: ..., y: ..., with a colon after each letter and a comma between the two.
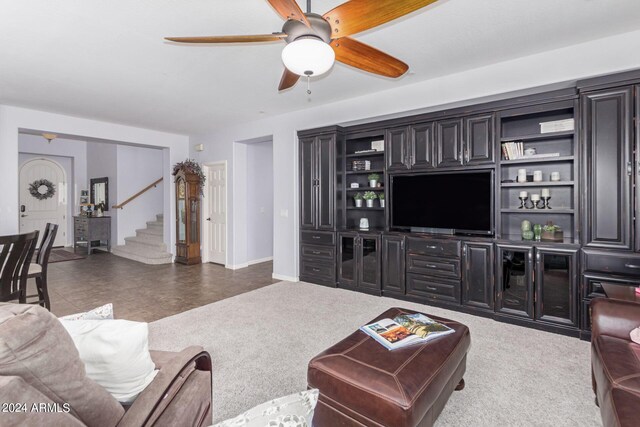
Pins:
x: 449, y: 202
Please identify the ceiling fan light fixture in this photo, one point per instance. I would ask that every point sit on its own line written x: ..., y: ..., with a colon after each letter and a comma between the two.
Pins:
x: 49, y: 137
x: 308, y: 56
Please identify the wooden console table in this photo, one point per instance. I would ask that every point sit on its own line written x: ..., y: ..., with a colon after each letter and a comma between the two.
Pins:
x: 94, y: 232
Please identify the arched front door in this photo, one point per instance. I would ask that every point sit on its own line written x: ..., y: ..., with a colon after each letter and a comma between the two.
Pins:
x: 43, y: 197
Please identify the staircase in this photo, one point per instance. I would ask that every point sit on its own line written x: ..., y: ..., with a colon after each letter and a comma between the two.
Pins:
x: 147, y: 246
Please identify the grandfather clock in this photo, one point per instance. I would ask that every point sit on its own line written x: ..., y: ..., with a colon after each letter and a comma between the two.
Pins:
x: 187, y: 217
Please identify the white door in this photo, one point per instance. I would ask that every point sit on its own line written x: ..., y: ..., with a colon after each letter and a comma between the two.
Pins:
x: 43, y: 198
x: 216, y: 220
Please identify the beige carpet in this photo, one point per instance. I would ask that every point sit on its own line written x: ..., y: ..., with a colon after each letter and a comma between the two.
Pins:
x: 261, y: 342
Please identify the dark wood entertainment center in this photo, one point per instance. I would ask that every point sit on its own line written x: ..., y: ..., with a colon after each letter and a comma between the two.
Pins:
x: 539, y: 284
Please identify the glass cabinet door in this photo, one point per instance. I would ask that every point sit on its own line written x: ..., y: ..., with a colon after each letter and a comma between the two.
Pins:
x: 556, y: 281
x: 370, y: 262
x: 182, y: 212
x: 347, y: 259
x: 515, y: 280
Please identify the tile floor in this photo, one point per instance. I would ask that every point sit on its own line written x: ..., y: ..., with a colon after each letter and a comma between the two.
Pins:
x: 145, y: 292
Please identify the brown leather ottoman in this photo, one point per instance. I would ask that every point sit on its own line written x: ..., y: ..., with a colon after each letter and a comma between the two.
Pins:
x: 362, y: 383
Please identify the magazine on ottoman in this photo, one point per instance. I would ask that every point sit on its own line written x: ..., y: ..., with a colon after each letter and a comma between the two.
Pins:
x: 404, y: 330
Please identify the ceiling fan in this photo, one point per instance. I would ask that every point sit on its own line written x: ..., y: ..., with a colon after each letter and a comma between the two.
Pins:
x: 314, y: 42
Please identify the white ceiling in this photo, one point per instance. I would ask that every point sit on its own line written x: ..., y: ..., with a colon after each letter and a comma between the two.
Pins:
x: 107, y: 59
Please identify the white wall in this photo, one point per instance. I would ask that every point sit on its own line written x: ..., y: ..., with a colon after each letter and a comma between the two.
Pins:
x: 584, y: 60
x: 61, y: 150
x: 102, y: 161
x: 137, y: 168
x: 259, y: 201
x: 13, y: 119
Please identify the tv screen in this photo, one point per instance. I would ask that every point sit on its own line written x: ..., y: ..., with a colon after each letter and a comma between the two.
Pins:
x: 462, y: 201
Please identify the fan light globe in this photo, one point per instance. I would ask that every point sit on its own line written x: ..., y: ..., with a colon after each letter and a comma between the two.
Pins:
x: 308, y: 56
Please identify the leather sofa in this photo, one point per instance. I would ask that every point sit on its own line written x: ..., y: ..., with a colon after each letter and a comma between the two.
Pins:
x: 615, y: 361
x: 43, y: 380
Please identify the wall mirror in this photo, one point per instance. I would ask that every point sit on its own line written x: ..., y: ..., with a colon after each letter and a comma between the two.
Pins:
x: 100, y: 191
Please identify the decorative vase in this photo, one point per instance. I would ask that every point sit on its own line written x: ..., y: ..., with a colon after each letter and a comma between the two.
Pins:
x: 382, y: 203
x: 373, y: 183
x: 358, y: 203
x: 369, y: 203
x: 527, y: 235
x: 537, y: 231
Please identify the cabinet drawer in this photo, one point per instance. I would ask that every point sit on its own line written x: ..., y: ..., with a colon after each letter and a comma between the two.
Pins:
x: 449, y: 268
x: 612, y: 263
x: 434, y: 289
x: 315, y: 268
x: 318, y: 237
x: 431, y: 247
x: 593, y: 287
x: 324, y: 252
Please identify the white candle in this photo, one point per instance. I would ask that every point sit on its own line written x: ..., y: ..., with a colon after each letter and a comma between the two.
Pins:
x: 545, y: 192
x: 535, y: 197
x: 523, y: 194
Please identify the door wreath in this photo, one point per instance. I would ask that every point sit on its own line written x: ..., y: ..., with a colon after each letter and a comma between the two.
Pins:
x: 42, y: 189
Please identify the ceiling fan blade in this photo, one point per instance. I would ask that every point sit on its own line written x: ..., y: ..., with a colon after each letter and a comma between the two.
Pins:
x: 229, y: 39
x: 289, y: 9
x: 355, y: 16
x: 357, y: 54
x: 288, y: 80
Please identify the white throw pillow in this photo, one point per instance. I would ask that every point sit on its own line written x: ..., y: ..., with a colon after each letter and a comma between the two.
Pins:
x: 635, y: 335
x: 99, y: 313
x: 295, y: 410
x: 115, y: 354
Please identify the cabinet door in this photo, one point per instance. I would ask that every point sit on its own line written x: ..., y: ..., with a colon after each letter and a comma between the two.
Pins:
x: 478, y: 136
x: 422, y: 149
x: 477, y: 275
x: 307, y: 183
x: 347, y: 259
x: 393, y: 264
x: 514, y: 279
x: 449, y: 142
x: 637, y: 150
x: 326, y: 175
x: 369, y: 262
x: 556, y: 286
x: 607, y: 121
x: 396, y: 153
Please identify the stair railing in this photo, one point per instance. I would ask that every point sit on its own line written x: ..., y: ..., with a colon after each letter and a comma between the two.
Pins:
x: 138, y: 194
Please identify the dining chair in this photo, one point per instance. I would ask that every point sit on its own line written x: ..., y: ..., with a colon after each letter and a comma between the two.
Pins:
x: 38, y: 270
x: 16, y: 252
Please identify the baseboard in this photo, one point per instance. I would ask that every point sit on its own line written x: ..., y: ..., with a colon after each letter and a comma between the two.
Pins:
x: 258, y: 261
x: 236, y: 266
x: 285, y: 278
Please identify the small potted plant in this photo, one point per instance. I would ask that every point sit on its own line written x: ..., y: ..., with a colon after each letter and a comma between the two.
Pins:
x: 369, y: 196
x: 358, y: 200
x: 381, y: 198
x: 373, y: 180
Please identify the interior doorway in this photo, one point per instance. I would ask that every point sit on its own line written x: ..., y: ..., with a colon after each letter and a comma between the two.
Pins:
x: 215, y: 224
x: 43, y: 197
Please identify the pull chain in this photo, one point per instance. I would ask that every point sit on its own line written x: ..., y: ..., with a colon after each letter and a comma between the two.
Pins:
x: 308, y: 84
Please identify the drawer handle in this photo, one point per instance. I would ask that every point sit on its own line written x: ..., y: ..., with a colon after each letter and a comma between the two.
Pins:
x: 315, y: 237
x: 433, y: 247
x: 431, y: 266
x: 431, y: 288
x: 632, y: 266
x: 316, y: 269
x: 511, y: 301
x: 316, y: 252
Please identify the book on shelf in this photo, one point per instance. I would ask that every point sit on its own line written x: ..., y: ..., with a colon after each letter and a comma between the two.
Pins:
x: 557, y: 126
x: 405, y: 330
x: 515, y: 151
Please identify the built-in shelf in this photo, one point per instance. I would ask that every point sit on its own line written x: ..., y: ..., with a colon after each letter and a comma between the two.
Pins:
x: 365, y: 172
x: 369, y: 154
x: 353, y: 208
x: 366, y: 189
x: 538, y: 160
x: 518, y: 238
x: 537, y: 137
x: 537, y: 184
x: 538, y: 211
